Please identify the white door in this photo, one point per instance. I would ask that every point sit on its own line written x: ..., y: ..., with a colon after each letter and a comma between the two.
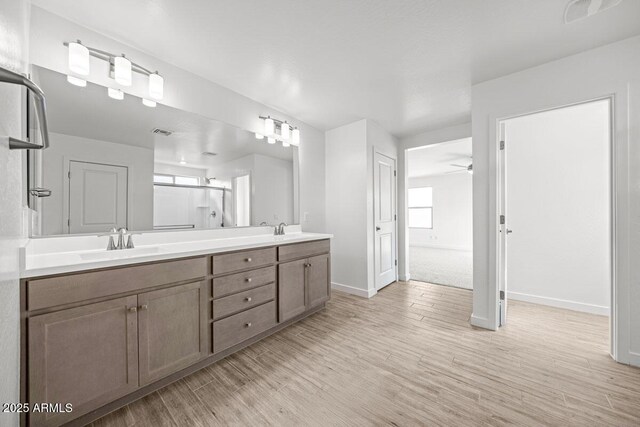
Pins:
x: 97, y: 197
x: 384, y: 188
x: 502, y: 228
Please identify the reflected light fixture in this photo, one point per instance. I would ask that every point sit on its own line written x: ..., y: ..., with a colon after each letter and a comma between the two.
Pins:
x: 78, y: 58
x: 295, y: 137
x: 148, y: 102
x: 271, y: 140
x: 115, y: 93
x: 122, y: 70
x: 286, y: 144
x: 269, y: 126
x: 183, y: 161
x: 284, y: 130
x: 76, y: 81
x: 156, y: 86
x: 259, y: 136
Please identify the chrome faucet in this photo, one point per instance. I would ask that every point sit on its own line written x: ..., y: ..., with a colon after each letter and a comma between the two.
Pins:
x: 279, y: 229
x: 121, y: 232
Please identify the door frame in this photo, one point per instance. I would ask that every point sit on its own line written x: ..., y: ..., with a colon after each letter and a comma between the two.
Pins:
x: 66, y: 196
x: 502, y: 281
x: 375, y: 151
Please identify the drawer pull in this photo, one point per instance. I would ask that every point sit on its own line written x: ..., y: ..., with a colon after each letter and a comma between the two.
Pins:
x: 247, y: 325
x: 248, y: 260
x: 143, y: 307
x: 248, y: 299
x: 133, y: 309
x: 248, y: 279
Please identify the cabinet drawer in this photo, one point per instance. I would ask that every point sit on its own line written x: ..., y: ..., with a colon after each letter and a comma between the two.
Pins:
x: 303, y: 250
x: 223, y: 307
x: 53, y: 291
x: 245, y: 260
x: 242, y: 326
x: 239, y: 282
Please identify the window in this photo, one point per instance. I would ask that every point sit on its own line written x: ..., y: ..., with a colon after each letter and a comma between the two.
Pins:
x: 421, y: 207
x: 176, y: 180
x: 186, y: 180
x: 163, y: 179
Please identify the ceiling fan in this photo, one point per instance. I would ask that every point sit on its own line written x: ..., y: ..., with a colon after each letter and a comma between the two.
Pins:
x: 468, y: 168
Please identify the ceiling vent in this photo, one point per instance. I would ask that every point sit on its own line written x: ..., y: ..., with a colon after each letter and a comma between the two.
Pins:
x: 580, y: 9
x: 161, y: 131
x: 209, y: 153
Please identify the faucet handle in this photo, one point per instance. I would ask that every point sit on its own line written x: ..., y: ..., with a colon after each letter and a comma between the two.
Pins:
x: 112, y: 245
x: 130, y: 241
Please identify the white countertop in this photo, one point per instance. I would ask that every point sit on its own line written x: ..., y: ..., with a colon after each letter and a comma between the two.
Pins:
x: 38, y: 262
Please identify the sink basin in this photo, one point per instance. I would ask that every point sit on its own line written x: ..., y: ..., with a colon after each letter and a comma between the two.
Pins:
x: 119, y: 254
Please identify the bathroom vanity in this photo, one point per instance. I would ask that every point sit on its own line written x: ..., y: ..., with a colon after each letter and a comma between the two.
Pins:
x: 101, y: 333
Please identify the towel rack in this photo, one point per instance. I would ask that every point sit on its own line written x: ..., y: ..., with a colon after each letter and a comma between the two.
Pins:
x: 8, y: 76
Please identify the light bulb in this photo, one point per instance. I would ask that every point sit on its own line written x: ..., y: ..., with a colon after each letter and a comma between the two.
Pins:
x: 286, y: 144
x: 156, y: 86
x: 76, y: 81
x: 115, y: 93
x: 183, y: 161
x: 284, y: 130
x: 259, y: 136
x: 269, y: 126
x: 148, y: 102
x: 122, y: 70
x: 271, y: 140
x: 78, y: 58
x: 295, y: 137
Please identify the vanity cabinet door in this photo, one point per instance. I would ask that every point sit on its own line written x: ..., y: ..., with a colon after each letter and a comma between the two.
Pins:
x: 291, y: 289
x: 318, y: 280
x: 86, y: 356
x: 172, y: 328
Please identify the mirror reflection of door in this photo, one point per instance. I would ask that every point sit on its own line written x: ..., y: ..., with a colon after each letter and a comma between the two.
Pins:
x: 97, y: 197
x: 242, y: 200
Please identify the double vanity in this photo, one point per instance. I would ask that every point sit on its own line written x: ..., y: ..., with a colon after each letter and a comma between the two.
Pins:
x: 103, y: 328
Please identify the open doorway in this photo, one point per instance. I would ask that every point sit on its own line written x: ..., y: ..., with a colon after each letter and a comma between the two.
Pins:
x: 440, y: 213
x: 555, y: 197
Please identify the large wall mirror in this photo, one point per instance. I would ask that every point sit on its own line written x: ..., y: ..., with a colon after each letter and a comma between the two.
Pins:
x: 120, y: 163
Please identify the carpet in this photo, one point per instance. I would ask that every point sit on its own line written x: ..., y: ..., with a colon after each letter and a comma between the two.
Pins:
x: 441, y: 266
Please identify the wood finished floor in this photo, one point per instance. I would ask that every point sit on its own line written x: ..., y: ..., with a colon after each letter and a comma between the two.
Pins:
x: 408, y: 356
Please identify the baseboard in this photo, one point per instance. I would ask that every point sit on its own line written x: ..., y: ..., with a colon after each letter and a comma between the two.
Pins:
x: 634, y: 359
x: 365, y: 293
x: 481, y: 322
x: 404, y: 278
x: 560, y: 303
x: 450, y: 247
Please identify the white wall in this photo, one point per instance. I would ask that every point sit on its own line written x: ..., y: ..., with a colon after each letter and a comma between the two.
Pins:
x: 609, y: 70
x: 426, y: 138
x: 188, y: 92
x: 452, y: 212
x: 55, y: 162
x: 14, y: 18
x: 167, y: 169
x: 558, y: 205
x: 349, y: 201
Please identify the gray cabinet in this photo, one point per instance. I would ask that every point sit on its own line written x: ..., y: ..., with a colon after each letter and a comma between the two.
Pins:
x: 86, y: 356
x: 172, y: 330
x: 318, y: 280
x: 291, y: 289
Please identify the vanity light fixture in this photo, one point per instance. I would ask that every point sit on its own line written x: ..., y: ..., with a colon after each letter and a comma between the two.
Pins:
x: 121, y: 69
x: 277, y: 130
x: 183, y: 161
x: 148, y: 102
x: 115, y: 93
x: 76, y: 81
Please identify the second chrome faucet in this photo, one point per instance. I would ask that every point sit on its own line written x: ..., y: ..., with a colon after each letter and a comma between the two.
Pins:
x: 122, y: 233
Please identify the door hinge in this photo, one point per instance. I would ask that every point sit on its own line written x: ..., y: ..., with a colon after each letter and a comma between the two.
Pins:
x: 502, y: 220
x: 394, y: 173
x: 501, y: 295
x: 501, y: 145
x: 395, y: 217
x: 69, y: 174
x: 396, y: 262
x: 68, y: 222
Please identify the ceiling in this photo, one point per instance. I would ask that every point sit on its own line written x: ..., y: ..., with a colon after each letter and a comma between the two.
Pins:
x: 89, y: 113
x: 408, y: 65
x: 438, y: 159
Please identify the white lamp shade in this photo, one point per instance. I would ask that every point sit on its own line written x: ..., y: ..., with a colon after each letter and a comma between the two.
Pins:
x: 156, y: 86
x: 295, y: 136
x: 269, y: 126
x: 271, y: 140
x: 115, y: 93
x: 286, y: 144
x: 122, y: 70
x: 259, y: 136
x: 76, y: 81
x: 78, y: 59
x: 284, y: 130
x: 148, y: 102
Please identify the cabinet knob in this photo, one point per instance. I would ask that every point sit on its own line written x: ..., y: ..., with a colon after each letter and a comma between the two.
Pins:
x: 247, y: 325
x: 248, y: 279
x: 133, y: 309
x: 248, y: 260
x: 143, y: 307
x: 248, y: 299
